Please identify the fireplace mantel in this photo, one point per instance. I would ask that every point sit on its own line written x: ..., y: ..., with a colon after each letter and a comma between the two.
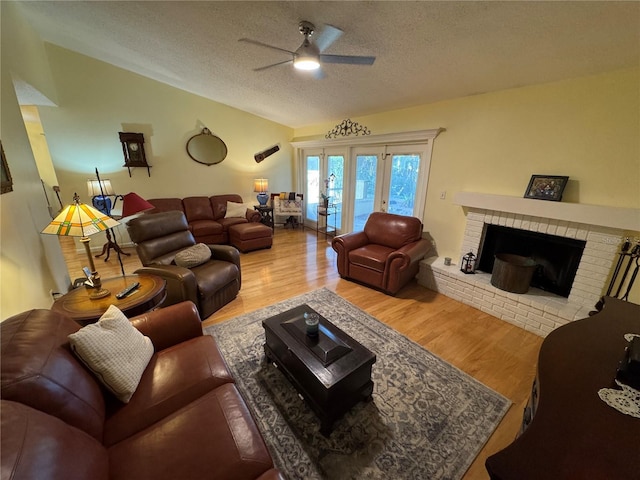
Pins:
x: 613, y: 217
x: 602, y: 228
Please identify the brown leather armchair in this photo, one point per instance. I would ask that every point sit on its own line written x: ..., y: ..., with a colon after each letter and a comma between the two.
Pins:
x: 386, y: 255
x: 159, y: 237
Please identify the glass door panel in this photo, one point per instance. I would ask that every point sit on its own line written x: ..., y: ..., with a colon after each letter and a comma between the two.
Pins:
x: 407, y: 176
x: 335, y: 183
x: 403, y: 178
x: 366, y: 188
x: 312, y: 192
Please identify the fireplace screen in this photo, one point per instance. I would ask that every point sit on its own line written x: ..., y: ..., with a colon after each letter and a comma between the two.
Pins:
x: 557, y: 258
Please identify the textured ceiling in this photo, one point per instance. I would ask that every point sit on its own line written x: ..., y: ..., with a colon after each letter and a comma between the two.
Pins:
x: 426, y: 51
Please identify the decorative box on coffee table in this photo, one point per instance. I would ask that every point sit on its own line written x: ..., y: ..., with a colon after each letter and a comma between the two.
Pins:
x: 332, y: 371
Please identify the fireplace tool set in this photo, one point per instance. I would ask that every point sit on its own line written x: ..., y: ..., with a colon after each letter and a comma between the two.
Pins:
x: 631, y: 255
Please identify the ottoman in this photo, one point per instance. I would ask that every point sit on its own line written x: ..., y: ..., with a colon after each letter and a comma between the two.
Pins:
x: 250, y: 236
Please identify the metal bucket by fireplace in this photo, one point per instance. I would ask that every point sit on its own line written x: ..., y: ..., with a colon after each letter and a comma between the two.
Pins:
x: 512, y: 273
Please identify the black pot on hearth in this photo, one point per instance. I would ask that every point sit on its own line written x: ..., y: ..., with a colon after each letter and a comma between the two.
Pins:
x: 512, y: 273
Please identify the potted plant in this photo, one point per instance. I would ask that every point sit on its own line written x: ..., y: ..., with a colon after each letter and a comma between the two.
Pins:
x: 325, y: 195
x: 325, y: 200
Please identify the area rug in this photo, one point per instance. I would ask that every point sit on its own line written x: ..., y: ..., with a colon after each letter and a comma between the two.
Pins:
x: 428, y: 420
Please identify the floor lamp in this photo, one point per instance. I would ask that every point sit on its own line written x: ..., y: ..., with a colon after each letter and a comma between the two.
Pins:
x: 132, y: 204
x: 81, y: 220
x: 100, y: 192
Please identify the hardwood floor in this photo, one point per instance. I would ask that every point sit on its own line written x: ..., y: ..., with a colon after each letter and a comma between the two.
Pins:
x: 494, y: 352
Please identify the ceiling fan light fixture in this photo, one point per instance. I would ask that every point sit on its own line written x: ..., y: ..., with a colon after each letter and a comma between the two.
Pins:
x: 306, y: 63
x: 307, y: 57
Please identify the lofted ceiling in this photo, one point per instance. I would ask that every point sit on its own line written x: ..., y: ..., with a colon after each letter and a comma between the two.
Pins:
x: 425, y: 51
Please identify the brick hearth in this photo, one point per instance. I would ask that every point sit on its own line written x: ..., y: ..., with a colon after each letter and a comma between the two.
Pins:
x: 537, y: 311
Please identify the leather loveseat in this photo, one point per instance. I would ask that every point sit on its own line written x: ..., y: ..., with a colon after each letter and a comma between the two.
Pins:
x: 386, y: 255
x: 186, y: 419
x: 206, y: 215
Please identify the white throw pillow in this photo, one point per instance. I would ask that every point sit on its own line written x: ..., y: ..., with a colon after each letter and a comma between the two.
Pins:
x: 237, y: 210
x: 115, y: 351
x: 193, y: 256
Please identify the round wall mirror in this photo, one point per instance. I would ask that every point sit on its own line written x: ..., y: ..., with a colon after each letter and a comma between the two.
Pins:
x: 206, y: 148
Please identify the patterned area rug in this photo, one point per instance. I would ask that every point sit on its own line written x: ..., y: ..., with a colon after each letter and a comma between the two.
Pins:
x: 428, y: 420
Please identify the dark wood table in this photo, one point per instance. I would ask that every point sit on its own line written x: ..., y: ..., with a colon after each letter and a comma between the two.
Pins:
x: 266, y: 214
x: 77, y: 304
x: 332, y: 371
x: 573, y: 434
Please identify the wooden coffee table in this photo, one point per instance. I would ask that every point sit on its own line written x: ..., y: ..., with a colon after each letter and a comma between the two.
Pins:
x: 332, y: 371
x: 77, y: 304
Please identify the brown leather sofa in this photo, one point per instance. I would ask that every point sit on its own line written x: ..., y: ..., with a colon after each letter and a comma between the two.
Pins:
x: 186, y: 420
x: 205, y: 215
x: 386, y: 255
x: 210, y: 286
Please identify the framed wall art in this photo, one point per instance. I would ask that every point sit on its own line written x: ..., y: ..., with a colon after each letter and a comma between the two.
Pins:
x: 6, y: 185
x: 546, y: 187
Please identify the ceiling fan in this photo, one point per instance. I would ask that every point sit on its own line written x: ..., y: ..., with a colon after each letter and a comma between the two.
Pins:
x: 309, y: 55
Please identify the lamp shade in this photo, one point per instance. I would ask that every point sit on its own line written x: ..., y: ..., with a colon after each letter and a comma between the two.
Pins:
x: 93, y: 188
x: 133, y: 203
x: 307, y: 57
x: 79, y: 220
x: 260, y: 185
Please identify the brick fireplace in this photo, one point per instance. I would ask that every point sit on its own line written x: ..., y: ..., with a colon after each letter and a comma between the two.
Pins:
x: 602, y: 228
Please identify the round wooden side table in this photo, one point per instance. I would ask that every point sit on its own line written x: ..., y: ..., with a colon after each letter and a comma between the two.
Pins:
x: 77, y: 304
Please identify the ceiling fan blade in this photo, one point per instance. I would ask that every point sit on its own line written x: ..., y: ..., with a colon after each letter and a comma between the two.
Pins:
x: 260, y: 44
x: 328, y: 35
x: 318, y: 74
x: 347, y: 59
x: 272, y: 65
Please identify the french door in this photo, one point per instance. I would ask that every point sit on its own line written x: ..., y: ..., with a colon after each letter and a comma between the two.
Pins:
x: 387, y: 173
x: 324, y: 178
x: 392, y: 180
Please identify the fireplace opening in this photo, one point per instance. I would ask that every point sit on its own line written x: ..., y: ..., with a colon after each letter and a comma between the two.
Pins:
x: 557, y: 257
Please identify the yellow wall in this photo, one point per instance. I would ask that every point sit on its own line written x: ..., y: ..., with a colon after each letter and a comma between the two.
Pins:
x: 587, y: 128
x: 40, y: 149
x: 98, y: 100
x: 31, y: 264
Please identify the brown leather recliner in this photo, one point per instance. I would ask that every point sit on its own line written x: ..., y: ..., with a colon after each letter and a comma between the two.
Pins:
x: 159, y: 237
x: 386, y: 255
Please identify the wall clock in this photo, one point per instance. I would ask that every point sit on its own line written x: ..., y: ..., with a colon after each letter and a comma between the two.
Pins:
x: 133, y: 151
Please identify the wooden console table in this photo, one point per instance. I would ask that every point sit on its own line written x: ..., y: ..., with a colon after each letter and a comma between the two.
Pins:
x: 77, y: 304
x: 573, y: 434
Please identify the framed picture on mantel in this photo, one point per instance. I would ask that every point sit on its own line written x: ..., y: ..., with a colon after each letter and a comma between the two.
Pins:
x: 546, y: 187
